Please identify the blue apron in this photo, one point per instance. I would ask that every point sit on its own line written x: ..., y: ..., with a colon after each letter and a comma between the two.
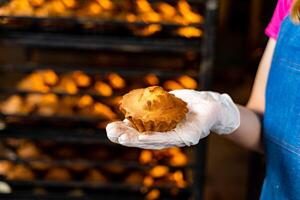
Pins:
x: 282, y: 118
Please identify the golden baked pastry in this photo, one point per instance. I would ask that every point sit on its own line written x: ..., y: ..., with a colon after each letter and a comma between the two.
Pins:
x: 172, y: 85
x: 49, y: 77
x: 70, y: 3
x: 90, y: 9
x: 20, y: 172
x: 13, y: 105
x: 78, y: 167
x: 33, y: 83
x: 67, y: 85
x: 189, y: 32
x: 147, y: 30
x: 95, y: 176
x: 58, y: 174
x: 153, y: 109
x: 48, y: 105
x: 5, y: 167
x: 151, y: 79
x: 36, y: 3
x: 19, y: 8
x: 53, y: 8
x: 106, y: 4
x: 102, y: 110
x: 29, y: 151
x: 153, y: 194
x: 178, y: 160
x: 146, y: 157
x: 103, y: 89
x: 66, y: 105
x: 148, y: 181
x: 135, y: 178
x: 178, y: 178
x: 159, y: 171
x: 85, y: 101
x: 188, y: 14
x: 188, y: 82
x: 167, y: 11
x: 116, y: 81
x: 81, y: 79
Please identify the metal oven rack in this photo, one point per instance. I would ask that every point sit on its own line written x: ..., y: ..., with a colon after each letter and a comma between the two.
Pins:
x: 36, y: 38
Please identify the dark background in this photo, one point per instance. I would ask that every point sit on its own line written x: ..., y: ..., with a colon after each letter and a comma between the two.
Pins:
x: 233, y: 172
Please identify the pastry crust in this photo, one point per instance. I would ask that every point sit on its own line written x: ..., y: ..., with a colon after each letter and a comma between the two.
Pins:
x: 153, y: 109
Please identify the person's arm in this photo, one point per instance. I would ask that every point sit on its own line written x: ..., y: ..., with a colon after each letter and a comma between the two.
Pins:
x: 249, y: 132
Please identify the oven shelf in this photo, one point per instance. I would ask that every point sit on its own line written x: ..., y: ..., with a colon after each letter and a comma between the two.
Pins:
x: 94, y: 163
x: 90, y: 193
x: 56, y: 118
x: 93, y: 70
x: 96, y: 42
x: 151, y: 1
x: 14, y: 91
x: 97, y: 22
x: 81, y: 135
x: 85, y: 185
x: 86, y: 197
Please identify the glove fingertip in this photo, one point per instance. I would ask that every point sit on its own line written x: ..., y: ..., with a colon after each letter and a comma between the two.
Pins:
x: 112, y: 125
x: 114, y: 130
x: 112, y: 135
x: 123, y: 138
x: 112, y: 138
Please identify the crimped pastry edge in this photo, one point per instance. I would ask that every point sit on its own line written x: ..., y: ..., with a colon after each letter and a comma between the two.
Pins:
x: 151, y: 126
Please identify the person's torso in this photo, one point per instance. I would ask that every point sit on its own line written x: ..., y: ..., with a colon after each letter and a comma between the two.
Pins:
x: 282, y: 118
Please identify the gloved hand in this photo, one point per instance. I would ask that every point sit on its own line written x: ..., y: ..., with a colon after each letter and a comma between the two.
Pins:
x: 208, y: 111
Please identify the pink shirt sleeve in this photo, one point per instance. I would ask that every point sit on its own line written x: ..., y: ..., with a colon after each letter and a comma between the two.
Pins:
x: 282, y: 10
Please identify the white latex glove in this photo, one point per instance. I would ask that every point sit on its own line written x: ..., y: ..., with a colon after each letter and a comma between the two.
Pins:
x: 208, y: 111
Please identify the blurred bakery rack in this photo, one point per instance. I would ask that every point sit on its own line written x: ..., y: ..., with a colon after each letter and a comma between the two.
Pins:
x: 59, y: 94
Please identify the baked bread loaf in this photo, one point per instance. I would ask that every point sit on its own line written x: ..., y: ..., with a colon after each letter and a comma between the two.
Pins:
x: 153, y: 109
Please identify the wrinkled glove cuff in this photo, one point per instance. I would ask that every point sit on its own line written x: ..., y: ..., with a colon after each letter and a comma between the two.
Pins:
x: 229, y: 116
